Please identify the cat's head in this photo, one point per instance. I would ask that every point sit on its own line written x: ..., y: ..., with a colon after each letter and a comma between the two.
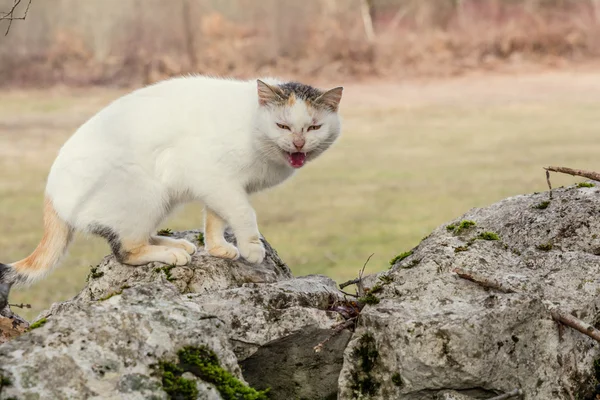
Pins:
x: 296, y: 122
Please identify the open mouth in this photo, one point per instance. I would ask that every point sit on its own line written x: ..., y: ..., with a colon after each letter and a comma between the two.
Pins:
x: 297, y: 159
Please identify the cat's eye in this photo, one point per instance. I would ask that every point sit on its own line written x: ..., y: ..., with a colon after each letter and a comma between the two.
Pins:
x: 314, y: 127
x: 282, y: 126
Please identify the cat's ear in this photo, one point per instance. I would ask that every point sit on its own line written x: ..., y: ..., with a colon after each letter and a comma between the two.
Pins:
x: 331, y: 98
x: 268, y: 94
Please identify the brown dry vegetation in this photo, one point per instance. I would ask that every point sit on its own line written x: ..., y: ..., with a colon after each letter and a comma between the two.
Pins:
x: 129, y: 42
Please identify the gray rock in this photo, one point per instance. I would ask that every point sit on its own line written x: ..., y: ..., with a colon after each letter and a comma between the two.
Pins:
x: 292, y: 369
x: 434, y: 331
x: 107, y: 349
x: 255, y: 305
x: 274, y: 329
x: 432, y: 334
x: 260, y: 313
x: 205, y: 274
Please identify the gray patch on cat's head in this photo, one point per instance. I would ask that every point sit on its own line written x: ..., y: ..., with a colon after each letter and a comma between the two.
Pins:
x: 300, y: 91
x: 286, y: 94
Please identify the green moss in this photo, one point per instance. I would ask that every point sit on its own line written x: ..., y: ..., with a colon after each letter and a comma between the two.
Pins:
x: 594, y: 236
x: 369, y: 298
x: 377, y: 288
x: 397, y: 380
x: 461, y: 226
x: 4, y: 381
x: 176, y: 386
x: 200, y: 238
x: 544, y: 246
x: 488, y: 236
x: 366, y: 355
x: 203, y: 363
x: 585, y: 185
x: 38, y: 324
x: 597, y: 370
x: 167, y: 270
x: 400, y: 257
x: 165, y: 232
x: 464, y: 225
x: 94, y: 274
x: 386, y: 279
x: 542, y: 206
x: 461, y: 248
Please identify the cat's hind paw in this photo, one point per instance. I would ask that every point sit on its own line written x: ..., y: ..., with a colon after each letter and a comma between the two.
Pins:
x: 175, y: 256
x: 189, y: 247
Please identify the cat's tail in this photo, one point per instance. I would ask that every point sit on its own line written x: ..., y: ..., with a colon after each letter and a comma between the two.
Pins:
x: 57, y: 237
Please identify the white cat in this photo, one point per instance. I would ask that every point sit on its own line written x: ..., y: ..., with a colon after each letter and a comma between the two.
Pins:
x: 184, y: 139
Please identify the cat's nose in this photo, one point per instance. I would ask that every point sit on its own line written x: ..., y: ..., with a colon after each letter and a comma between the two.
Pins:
x: 299, y: 142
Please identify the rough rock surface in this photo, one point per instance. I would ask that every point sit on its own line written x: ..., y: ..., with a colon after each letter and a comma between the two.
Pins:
x: 250, y: 305
x: 426, y: 333
x: 434, y: 331
x: 106, y: 350
x: 205, y: 274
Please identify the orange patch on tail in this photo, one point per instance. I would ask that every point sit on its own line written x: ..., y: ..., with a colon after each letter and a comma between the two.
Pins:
x: 55, y: 240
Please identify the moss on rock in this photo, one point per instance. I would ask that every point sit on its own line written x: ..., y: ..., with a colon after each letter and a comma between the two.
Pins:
x: 204, y: 364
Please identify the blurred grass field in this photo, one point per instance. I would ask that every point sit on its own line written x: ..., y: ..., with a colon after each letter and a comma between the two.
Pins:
x: 412, y: 156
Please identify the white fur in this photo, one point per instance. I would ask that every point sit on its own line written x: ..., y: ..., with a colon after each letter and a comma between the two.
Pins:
x: 184, y: 139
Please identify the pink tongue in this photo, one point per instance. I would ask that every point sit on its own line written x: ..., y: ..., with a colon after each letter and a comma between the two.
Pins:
x: 297, y: 159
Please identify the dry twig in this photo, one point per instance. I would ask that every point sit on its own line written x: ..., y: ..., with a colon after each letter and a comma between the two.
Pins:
x: 22, y: 305
x: 348, y: 283
x: 10, y: 14
x: 575, y: 323
x: 360, y: 288
x: 482, y: 280
x: 356, y: 281
x: 549, y: 184
x: 595, y: 176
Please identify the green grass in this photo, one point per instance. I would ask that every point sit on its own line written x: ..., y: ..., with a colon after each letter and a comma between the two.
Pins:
x: 403, y: 167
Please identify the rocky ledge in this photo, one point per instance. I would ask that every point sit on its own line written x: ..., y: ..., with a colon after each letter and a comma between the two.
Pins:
x: 467, y: 314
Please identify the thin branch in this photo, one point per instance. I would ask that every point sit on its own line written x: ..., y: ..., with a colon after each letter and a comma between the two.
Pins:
x: 20, y: 305
x: 482, y: 280
x: 549, y: 184
x: 360, y: 288
x: 595, y: 176
x: 348, y: 283
x: 512, y: 393
x: 10, y: 14
x: 575, y: 323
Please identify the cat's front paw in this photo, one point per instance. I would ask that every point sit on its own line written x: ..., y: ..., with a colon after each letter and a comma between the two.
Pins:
x: 224, y: 250
x: 253, y: 251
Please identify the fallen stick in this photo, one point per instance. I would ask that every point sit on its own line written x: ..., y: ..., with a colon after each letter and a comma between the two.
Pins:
x: 549, y: 184
x: 513, y: 393
x: 575, y: 323
x: 483, y: 281
x: 348, y: 283
x: 595, y: 176
x: 22, y: 305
